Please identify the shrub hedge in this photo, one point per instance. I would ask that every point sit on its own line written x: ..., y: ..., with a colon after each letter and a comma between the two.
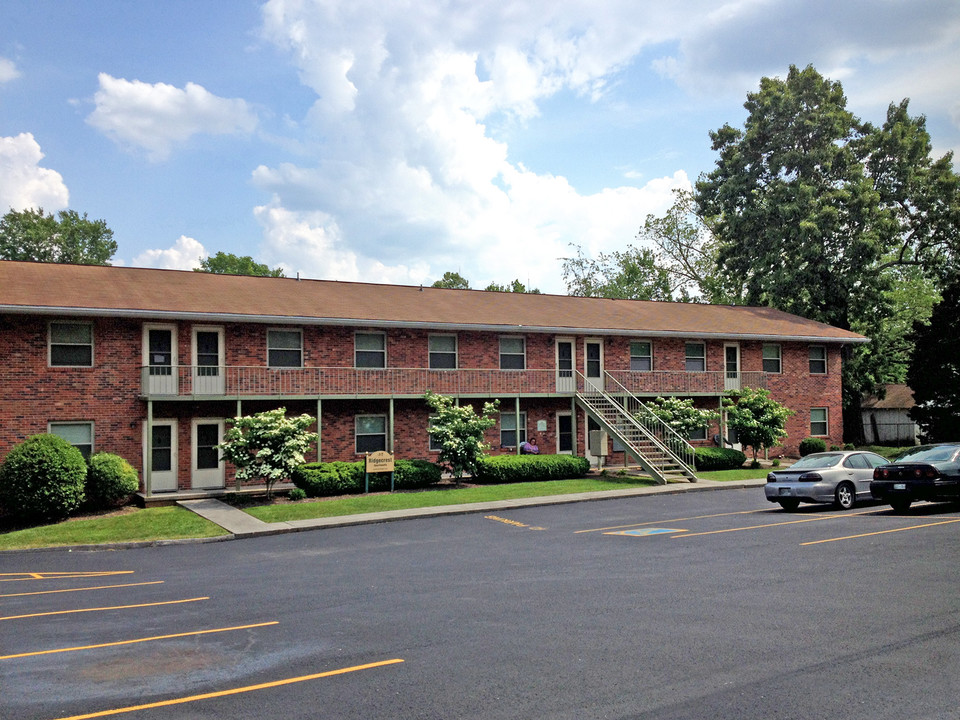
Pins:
x: 42, y: 478
x: 715, y: 458
x: 344, y: 478
x: 812, y: 445
x: 111, y: 480
x: 530, y: 468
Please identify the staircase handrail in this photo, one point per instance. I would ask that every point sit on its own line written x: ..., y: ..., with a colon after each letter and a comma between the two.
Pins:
x: 670, y: 438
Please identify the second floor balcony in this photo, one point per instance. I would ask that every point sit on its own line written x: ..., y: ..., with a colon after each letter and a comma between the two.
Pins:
x: 213, y: 381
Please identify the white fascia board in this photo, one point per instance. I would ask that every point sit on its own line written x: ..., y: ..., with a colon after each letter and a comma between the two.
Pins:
x: 415, y: 325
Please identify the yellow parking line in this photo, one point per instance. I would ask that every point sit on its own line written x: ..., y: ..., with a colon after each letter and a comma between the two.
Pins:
x: 881, y: 532
x: 660, y: 522
x: 98, y: 587
x: 758, y: 527
x: 136, y: 640
x: 13, y: 577
x: 233, y: 691
x: 115, y: 607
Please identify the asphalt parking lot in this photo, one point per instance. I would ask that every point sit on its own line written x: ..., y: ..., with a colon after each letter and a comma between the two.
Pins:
x: 705, y: 605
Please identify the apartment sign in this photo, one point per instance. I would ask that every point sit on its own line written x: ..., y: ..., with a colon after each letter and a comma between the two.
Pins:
x: 379, y: 462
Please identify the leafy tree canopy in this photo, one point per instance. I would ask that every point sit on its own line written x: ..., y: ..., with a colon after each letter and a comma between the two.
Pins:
x: 516, y: 286
x: 267, y: 446
x: 820, y: 214
x: 452, y: 280
x: 680, y: 414
x: 459, y: 431
x: 33, y: 235
x: 229, y: 264
x: 631, y: 274
x: 760, y: 421
x: 934, y: 373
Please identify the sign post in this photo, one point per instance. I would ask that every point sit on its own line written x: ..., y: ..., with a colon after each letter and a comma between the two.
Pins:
x: 378, y: 462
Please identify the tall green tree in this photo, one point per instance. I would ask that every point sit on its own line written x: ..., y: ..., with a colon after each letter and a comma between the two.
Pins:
x: 229, y: 264
x: 34, y: 235
x: 631, y: 274
x: 452, y: 280
x: 934, y: 373
x: 515, y: 286
x: 814, y: 210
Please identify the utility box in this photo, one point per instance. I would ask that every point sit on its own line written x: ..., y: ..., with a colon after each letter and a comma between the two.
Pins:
x: 598, y: 443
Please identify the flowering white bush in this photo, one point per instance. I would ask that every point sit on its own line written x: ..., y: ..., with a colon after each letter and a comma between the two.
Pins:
x: 680, y: 414
x: 268, y: 445
x: 459, y: 432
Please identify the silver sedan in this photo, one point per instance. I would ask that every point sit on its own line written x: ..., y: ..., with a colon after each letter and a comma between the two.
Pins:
x: 841, y: 477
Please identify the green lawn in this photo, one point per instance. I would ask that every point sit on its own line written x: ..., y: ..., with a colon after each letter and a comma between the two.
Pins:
x: 733, y: 475
x: 160, y: 523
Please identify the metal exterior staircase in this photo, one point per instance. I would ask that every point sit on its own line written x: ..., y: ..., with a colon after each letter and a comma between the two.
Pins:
x: 658, y: 449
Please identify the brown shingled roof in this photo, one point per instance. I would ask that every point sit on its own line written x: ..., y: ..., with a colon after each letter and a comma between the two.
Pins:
x: 143, y: 292
x: 896, y: 397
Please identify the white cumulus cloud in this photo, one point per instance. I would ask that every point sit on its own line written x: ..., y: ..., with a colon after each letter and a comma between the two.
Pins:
x: 8, y: 70
x: 23, y: 183
x: 184, y: 254
x: 157, y: 117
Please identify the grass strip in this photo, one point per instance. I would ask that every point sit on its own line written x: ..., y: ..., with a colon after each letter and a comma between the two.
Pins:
x: 160, y: 523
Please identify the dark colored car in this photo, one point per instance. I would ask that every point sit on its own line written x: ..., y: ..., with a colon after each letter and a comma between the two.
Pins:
x: 926, y: 472
x: 841, y: 477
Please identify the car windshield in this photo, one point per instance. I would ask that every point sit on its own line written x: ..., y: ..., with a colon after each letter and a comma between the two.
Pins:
x: 930, y: 454
x: 818, y: 461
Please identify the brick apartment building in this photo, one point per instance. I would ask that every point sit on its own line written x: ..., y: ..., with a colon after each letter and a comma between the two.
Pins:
x: 149, y: 364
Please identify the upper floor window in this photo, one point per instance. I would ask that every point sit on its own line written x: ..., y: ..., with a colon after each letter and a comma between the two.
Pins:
x: 641, y: 356
x: 696, y: 357
x: 443, y: 352
x: 512, y: 353
x: 818, y: 360
x: 370, y: 350
x: 78, y: 434
x: 71, y: 344
x: 284, y: 348
x: 771, y: 359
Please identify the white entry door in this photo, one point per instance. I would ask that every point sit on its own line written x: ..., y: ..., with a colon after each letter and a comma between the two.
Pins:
x: 207, y: 469
x: 160, y: 355
x: 208, y: 369
x: 566, y: 382
x: 593, y: 364
x: 163, y: 450
x: 731, y: 366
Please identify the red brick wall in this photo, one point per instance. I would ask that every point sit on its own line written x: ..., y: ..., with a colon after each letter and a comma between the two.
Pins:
x: 33, y: 394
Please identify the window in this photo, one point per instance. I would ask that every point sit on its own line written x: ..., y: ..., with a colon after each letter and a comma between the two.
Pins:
x: 371, y: 433
x: 512, y: 353
x: 435, y: 445
x: 696, y: 357
x: 771, y: 359
x: 698, y: 434
x: 818, y: 422
x: 162, y: 450
x: 371, y: 350
x: 284, y: 348
x: 818, y: 360
x: 443, y: 352
x: 78, y: 434
x: 564, y: 433
x: 641, y: 356
x: 71, y: 344
x: 208, y: 455
x: 508, y: 429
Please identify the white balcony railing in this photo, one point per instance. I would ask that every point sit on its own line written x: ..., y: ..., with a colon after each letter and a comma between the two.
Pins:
x: 236, y: 381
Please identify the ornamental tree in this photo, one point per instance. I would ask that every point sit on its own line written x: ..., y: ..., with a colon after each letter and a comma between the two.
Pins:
x: 267, y: 446
x: 459, y: 431
x: 760, y: 421
x: 680, y: 415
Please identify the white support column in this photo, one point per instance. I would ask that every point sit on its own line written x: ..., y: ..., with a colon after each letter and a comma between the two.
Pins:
x: 148, y: 460
x: 319, y: 432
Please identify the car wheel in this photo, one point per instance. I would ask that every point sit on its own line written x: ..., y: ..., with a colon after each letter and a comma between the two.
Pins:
x: 846, y: 496
x: 901, y: 504
x: 789, y: 505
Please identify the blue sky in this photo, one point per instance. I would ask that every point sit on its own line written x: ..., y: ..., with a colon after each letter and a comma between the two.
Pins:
x: 393, y: 141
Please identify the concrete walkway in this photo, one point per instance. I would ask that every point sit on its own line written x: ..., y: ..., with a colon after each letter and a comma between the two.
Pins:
x: 242, y: 525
